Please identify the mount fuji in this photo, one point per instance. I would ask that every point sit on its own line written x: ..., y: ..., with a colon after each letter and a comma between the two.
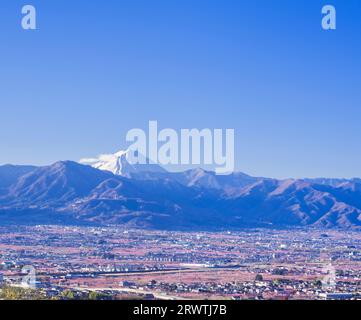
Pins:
x: 119, y: 164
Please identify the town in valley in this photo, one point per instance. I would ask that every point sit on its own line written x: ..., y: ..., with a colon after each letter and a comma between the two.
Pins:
x: 72, y: 262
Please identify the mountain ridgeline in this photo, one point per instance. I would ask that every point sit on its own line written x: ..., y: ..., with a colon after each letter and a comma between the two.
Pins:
x: 72, y: 193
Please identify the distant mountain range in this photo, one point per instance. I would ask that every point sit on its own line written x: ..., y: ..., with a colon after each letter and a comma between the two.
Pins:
x: 112, y: 191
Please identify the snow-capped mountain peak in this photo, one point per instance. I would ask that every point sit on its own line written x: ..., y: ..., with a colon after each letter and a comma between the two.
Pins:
x: 119, y: 164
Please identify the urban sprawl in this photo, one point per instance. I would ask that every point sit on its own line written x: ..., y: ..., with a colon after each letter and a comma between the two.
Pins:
x: 114, y: 263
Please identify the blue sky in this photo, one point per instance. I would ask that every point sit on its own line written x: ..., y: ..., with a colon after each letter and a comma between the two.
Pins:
x: 95, y: 69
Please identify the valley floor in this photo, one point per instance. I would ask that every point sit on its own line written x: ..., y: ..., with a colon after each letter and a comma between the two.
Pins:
x: 143, y: 264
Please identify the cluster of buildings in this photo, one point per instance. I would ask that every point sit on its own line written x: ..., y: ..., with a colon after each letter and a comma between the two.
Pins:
x: 252, y: 264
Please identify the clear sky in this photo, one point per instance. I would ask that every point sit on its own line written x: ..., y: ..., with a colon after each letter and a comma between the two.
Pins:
x: 95, y: 69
